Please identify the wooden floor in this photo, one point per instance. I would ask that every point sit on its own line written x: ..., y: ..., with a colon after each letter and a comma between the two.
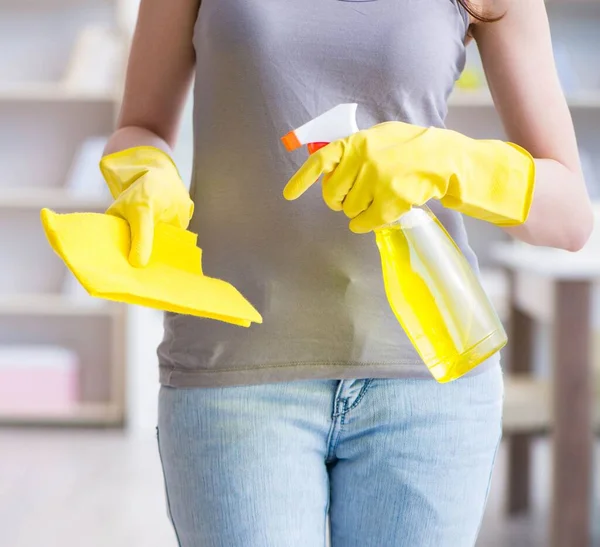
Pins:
x: 103, y: 489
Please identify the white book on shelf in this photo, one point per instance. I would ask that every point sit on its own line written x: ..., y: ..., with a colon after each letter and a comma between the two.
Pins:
x: 95, y: 61
x: 39, y: 356
x: 84, y: 178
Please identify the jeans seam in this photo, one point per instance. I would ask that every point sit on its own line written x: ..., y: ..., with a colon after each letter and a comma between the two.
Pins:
x: 359, y: 398
x: 343, y: 417
x: 489, y: 484
x: 336, y: 429
x: 327, y: 507
x: 337, y: 413
x: 361, y: 394
x: 167, y: 490
x: 494, y: 457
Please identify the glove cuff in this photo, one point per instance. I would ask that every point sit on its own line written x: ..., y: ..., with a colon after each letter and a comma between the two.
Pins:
x: 496, y: 183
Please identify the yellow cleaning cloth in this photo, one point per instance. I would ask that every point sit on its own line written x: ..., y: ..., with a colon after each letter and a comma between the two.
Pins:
x: 95, y: 247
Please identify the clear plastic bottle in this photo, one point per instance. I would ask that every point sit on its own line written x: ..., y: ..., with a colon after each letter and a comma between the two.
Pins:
x: 430, y: 286
x: 436, y: 296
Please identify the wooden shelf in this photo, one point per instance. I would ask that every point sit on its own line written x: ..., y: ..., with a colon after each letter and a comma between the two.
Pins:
x: 528, y: 405
x: 570, y: 3
x: 483, y: 99
x: 49, y: 4
x: 38, y: 198
x: 51, y: 92
x: 85, y: 414
x: 470, y: 98
x: 56, y: 305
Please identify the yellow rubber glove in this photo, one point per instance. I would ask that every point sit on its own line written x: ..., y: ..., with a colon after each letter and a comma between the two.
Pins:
x: 147, y: 189
x: 378, y: 174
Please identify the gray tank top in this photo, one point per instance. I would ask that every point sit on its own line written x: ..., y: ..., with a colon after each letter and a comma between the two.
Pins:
x: 264, y: 67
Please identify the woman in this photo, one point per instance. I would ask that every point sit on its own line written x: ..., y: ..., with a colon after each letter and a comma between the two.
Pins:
x: 325, y: 409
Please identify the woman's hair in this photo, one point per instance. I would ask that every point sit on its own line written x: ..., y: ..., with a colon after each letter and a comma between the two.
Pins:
x: 478, y: 14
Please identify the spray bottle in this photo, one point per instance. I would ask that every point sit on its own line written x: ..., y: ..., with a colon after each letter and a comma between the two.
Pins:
x: 431, y: 288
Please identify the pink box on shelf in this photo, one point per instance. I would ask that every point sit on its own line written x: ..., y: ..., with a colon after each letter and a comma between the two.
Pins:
x: 38, y: 379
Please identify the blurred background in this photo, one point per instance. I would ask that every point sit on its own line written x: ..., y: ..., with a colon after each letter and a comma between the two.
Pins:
x: 78, y: 376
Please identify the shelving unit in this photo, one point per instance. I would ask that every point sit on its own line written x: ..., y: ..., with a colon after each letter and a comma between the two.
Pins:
x: 56, y: 199
x: 47, y: 113
x: 55, y: 305
x: 81, y: 415
x: 483, y: 99
x: 51, y: 92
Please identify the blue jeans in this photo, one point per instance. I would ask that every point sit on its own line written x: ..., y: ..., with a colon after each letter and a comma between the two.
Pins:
x: 403, y: 463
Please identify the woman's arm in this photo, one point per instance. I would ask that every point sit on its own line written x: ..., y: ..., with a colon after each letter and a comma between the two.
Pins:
x: 159, y: 75
x: 517, y: 57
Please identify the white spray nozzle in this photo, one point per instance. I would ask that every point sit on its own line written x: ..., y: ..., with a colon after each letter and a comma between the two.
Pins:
x: 337, y: 123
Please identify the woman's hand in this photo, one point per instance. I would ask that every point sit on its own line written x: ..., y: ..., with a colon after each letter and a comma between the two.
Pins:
x: 147, y: 189
x: 137, y: 164
x: 376, y: 175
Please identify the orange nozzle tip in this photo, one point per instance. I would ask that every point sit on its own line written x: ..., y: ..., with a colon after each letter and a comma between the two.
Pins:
x: 291, y: 142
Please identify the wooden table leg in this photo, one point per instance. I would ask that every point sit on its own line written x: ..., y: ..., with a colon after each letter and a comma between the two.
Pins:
x: 520, y: 346
x: 519, y: 473
x: 573, y: 437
